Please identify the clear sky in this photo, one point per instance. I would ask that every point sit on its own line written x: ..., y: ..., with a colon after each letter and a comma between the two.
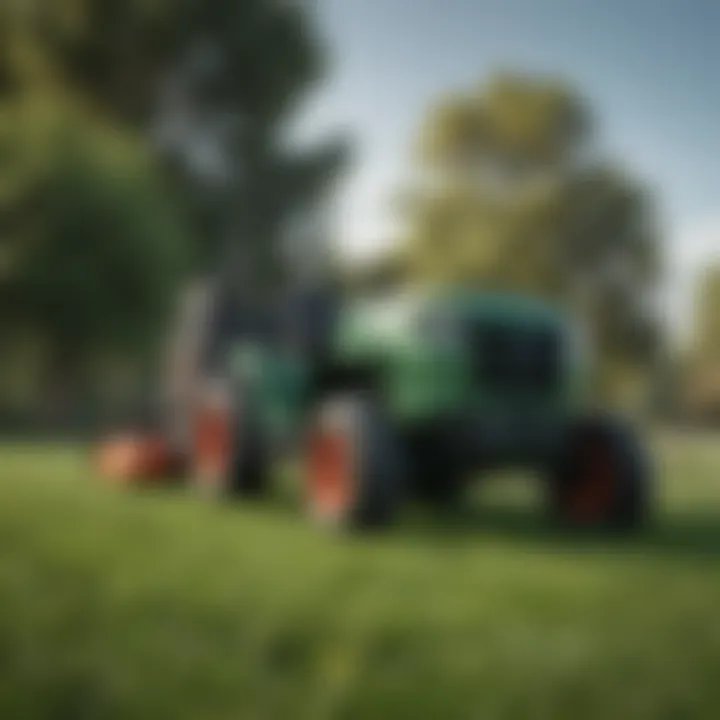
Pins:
x: 650, y: 68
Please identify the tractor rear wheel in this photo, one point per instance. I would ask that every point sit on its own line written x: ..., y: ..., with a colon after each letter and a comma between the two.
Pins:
x: 602, y: 480
x: 353, y: 463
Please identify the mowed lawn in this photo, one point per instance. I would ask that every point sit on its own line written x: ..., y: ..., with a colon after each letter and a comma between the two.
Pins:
x: 157, y: 605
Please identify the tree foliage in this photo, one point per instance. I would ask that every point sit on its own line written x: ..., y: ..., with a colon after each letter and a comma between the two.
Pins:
x: 116, y: 53
x: 92, y: 250
x: 706, y: 341
x: 208, y: 83
x: 697, y: 386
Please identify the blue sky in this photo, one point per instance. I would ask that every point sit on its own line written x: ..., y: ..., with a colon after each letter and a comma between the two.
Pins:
x: 649, y: 68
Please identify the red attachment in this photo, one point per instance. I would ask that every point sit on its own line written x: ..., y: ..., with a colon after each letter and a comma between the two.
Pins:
x: 213, y: 443
x: 134, y: 459
x: 331, y: 473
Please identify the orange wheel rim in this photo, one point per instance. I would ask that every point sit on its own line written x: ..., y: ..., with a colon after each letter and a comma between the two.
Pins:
x: 331, y: 481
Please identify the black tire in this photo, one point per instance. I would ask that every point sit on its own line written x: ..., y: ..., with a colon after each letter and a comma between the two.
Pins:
x: 371, y: 488
x: 435, y: 467
x: 251, y: 457
x: 602, y: 479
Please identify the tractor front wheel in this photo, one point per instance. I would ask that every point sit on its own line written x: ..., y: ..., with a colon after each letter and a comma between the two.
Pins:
x: 602, y: 478
x: 353, y: 463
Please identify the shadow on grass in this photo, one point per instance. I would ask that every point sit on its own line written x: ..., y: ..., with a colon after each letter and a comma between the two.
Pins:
x: 679, y: 534
x: 688, y: 535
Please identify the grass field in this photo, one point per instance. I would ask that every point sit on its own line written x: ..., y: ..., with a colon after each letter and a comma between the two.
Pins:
x: 155, y: 605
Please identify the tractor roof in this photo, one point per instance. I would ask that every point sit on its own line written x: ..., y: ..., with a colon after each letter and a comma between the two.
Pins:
x: 501, y: 304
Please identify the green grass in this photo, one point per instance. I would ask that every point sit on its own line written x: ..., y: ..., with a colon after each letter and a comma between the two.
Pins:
x: 156, y: 605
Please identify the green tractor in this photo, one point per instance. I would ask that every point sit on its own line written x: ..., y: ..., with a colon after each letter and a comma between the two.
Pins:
x: 411, y: 396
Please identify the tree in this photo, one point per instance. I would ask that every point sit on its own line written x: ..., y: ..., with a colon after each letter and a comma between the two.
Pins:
x: 701, y: 364
x: 93, y: 251
x: 706, y: 341
x: 512, y: 193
